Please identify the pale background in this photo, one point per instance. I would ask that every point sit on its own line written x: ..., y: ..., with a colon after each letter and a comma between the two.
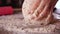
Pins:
x: 57, y: 11
x: 58, y: 4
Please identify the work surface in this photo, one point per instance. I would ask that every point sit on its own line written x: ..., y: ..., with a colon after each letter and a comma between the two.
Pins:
x: 14, y: 24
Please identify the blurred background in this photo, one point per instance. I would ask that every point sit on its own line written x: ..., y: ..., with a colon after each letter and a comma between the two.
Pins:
x: 10, y: 6
x: 13, y: 3
x: 58, y: 4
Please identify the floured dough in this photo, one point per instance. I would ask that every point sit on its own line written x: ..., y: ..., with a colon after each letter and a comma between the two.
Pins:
x: 38, y: 12
x: 14, y: 24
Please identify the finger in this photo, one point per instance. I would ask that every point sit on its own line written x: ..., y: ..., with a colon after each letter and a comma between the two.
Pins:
x: 46, y: 10
x: 34, y: 6
x: 49, y: 18
x: 41, y: 6
x: 44, y: 13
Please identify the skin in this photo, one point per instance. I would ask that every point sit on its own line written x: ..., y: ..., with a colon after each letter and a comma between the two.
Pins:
x: 38, y: 12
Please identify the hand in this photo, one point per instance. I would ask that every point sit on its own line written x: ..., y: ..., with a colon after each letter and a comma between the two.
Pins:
x: 38, y: 12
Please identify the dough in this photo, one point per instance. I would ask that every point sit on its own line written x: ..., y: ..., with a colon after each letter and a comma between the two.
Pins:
x: 14, y: 24
x: 38, y: 12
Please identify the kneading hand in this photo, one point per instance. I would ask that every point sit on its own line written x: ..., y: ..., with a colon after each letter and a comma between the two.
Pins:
x: 38, y: 12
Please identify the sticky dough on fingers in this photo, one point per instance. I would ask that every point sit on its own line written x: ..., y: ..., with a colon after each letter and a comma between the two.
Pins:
x: 37, y: 12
